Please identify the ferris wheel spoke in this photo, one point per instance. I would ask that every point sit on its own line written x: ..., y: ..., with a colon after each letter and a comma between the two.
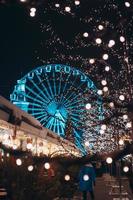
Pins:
x: 54, y: 84
x: 41, y: 117
x: 72, y: 102
x: 59, y: 88
x: 44, y: 87
x: 35, y: 104
x: 64, y: 88
x: 33, y: 99
x: 41, y: 92
x: 72, y: 94
x: 36, y: 95
x: 49, y: 85
x: 37, y: 113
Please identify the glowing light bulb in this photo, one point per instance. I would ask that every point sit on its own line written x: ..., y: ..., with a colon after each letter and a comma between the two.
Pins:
x: 103, y: 127
x: 111, y: 43
x: 111, y: 104
x: 87, y: 143
x: 57, y: 5
x: 100, y: 92
x: 88, y: 106
x: 102, y: 131
x: 104, y: 82
x: 33, y: 10
x: 19, y: 162
x: 29, y: 146
x: 85, y: 34
x: 125, y: 117
x: 67, y: 177
x: 129, y: 125
x: 121, y: 142
x: 105, y: 56
x: 77, y: 2
x: 109, y: 160
x: 121, y: 97
x: 22, y: 0
x: 30, y: 168
x: 91, y: 61
x: 47, y: 165
x: 32, y: 14
x: 105, y: 89
x: 126, y: 169
x: 67, y: 9
x: 127, y: 4
x: 98, y: 41
x: 122, y: 39
x: 107, y: 68
x: 100, y: 27
x: 85, y: 177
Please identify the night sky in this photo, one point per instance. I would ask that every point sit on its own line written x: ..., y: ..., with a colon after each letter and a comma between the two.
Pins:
x: 18, y: 41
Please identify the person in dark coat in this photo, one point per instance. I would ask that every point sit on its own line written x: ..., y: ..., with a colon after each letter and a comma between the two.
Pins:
x: 87, y: 180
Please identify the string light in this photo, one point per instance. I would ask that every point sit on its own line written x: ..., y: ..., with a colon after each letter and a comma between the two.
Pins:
x: 121, y: 97
x: 29, y: 146
x: 22, y: 0
x: 111, y: 43
x: 98, y: 41
x: 129, y: 125
x: 47, y: 165
x: 77, y: 2
x: 57, y: 5
x: 19, y: 162
x: 126, y: 169
x: 104, y: 82
x: 105, y: 89
x: 67, y: 177
x: 103, y: 127
x: 105, y: 56
x: 111, y: 104
x: 127, y: 4
x: 100, y: 27
x: 109, y: 160
x: 88, y: 106
x: 85, y: 177
x: 30, y: 168
x: 100, y: 92
x: 107, y: 68
x: 67, y: 9
x: 87, y: 143
x: 122, y: 39
x: 85, y: 34
x: 125, y: 117
x: 121, y: 142
x: 91, y: 61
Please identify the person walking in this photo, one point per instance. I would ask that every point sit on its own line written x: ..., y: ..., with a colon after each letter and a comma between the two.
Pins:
x: 87, y: 180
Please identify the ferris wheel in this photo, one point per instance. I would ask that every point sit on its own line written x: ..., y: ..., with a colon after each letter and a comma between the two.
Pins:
x: 56, y: 93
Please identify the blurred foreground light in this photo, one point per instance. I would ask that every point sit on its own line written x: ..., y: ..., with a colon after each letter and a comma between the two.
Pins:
x: 85, y: 34
x: 103, y: 127
x: 121, y: 97
x: 122, y: 39
x: 77, y: 2
x: 126, y: 169
x: 88, y: 106
x: 67, y: 177
x: 19, y: 162
x: 30, y: 168
x: 121, y: 142
x: 127, y: 4
x: 107, y: 68
x: 98, y: 40
x: 100, y: 27
x: 85, y: 177
x: 47, y: 165
x: 109, y: 160
x: 67, y: 9
x: 87, y: 143
x: 105, y: 56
